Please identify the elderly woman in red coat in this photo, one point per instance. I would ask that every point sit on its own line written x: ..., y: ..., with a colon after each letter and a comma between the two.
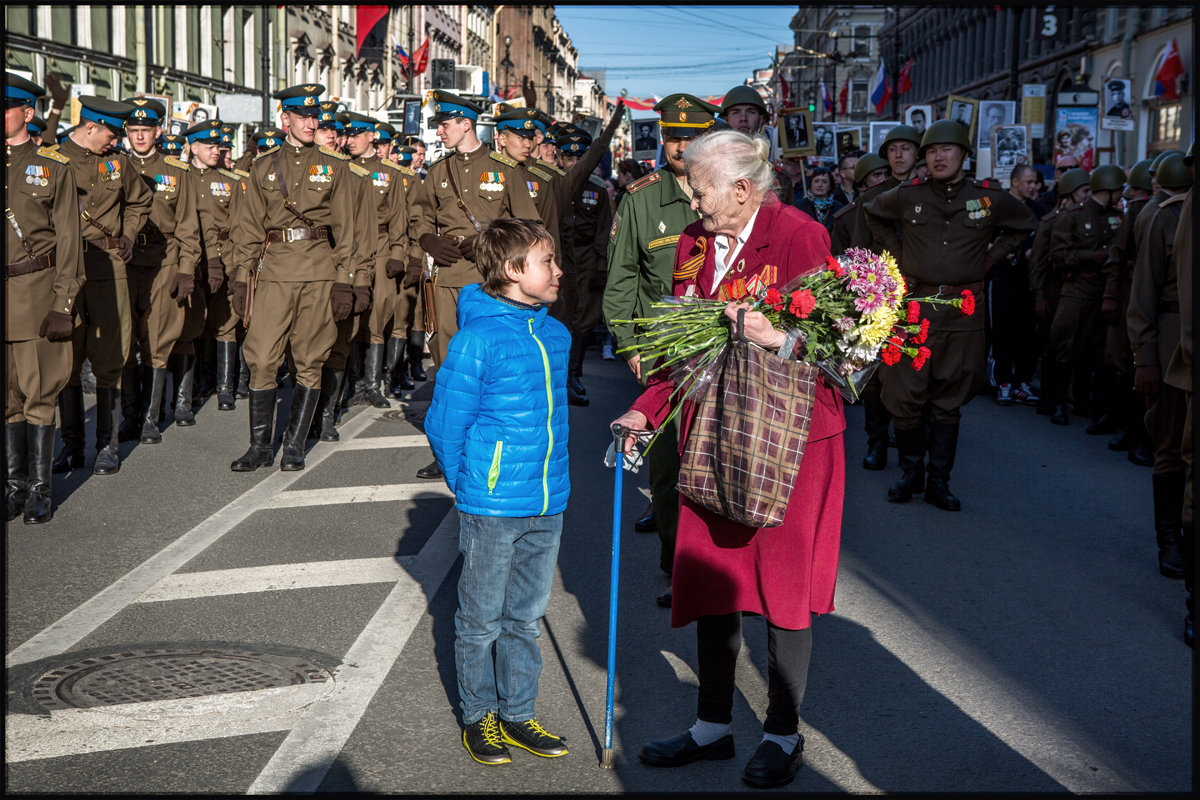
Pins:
x: 786, y: 573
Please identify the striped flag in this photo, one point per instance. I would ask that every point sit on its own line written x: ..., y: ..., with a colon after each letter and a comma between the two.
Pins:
x: 1168, y: 73
x: 881, y: 92
x: 825, y: 98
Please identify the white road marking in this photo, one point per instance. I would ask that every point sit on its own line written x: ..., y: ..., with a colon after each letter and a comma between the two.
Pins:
x: 386, y: 442
x: 75, y: 625
x: 76, y: 731
x: 358, y: 494
x: 300, y: 763
x: 276, y: 577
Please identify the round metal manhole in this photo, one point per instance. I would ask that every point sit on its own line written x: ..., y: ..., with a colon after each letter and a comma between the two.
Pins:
x: 139, y: 676
x: 415, y: 416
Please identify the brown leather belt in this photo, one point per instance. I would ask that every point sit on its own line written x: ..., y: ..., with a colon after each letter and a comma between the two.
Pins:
x: 47, y: 261
x: 383, y: 228
x: 222, y: 235
x: 298, y: 234
x: 158, y: 237
x: 945, y: 289
x: 107, y: 243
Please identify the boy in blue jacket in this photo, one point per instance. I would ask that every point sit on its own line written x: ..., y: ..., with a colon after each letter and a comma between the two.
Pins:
x: 498, y: 427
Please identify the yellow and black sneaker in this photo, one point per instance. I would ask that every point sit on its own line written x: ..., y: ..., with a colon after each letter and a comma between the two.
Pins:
x: 483, y: 741
x: 531, y: 736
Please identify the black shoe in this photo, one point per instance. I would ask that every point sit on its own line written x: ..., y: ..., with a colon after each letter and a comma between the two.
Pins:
x: 576, y: 399
x: 663, y: 600
x: 70, y: 415
x: 575, y: 386
x: 41, y: 451
x: 682, y: 749
x: 770, y: 766
x: 485, y: 742
x: 876, y: 458
x: 1120, y: 442
x: 108, y: 419
x: 323, y: 420
x: 416, y: 354
x: 1059, y: 417
x: 300, y: 417
x: 226, y: 376
x: 430, y: 472
x: 108, y: 461
x: 184, y: 377
x: 646, y: 524
x: 937, y: 492
x: 531, y: 736
x: 1106, y: 424
x: 262, y: 426
x: 158, y: 381
x: 1142, y: 454
x: 911, y: 446
x: 373, y: 375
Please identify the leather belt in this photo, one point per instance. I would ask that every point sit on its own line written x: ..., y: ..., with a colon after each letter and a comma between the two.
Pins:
x: 47, y: 261
x: 222, y: 235
x: 298, y: 234
x: 158, y: 237
x: 107, y: 243
x: 923, y: 289
x: 383, y: 228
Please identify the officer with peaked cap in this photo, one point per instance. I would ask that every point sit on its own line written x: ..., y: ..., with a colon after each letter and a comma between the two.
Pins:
x: 171, y: 144
x: 385, y: 139
x: 743, y: 109
x: 406, y: 346
x: 418, y: 160
x: 641, y: 261
x: 227, y: 146
x: 116, y: 203
x: 36, y: 128
x: 294, y: 237
x: 44, y: 273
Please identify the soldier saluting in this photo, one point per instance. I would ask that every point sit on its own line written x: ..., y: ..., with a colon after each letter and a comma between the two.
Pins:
x: 44, y: 272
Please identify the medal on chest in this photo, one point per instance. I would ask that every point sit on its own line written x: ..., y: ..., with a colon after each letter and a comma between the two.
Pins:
x: 380, y: 179
x: 491, y: 182
x: 590, y: 198
x: 36, y: 175
x: 533, y: 188
x: 110, y: 171
x: 320, y: 173
x: 978, y: 209
x: 1114, y: 222
x: 219, y: 189
x: 165, y: 183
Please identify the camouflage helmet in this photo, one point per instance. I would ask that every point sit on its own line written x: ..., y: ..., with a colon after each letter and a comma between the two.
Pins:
x: 946, y: 131
x: 1173, y: 173
x: 1158, y: 159
x: 742, y: 95
x: 900, y: 133
x: 1108, y: 178
x: 1071, y: 180
x: 867, y: 164
x: 1139, y: 176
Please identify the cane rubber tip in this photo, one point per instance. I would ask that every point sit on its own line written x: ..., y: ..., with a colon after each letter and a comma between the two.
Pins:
x: 606, y: 759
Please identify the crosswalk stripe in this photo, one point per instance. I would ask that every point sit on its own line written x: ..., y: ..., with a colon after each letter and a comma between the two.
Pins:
x: 386, y: 442
x: 276, y: 577
x: 358, y: 494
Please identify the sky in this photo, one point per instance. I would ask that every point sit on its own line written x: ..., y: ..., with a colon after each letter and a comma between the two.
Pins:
x: 659, y: 50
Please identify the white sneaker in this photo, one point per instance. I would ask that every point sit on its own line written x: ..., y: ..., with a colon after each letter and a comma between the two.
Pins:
x: 606, y: 352
x: 1025, y: 394
x: 1004, y: 395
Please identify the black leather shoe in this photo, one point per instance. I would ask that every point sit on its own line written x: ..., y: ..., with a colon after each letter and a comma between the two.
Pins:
x: 770, y: 766
x: 664, y: 599
x: 682, y: 749
x: 574, y: 384
x: 430, y: 472
x: 646, y: 524
x: 1120, y: 442
x: 910, y: 483
x: 576, y: 399
x: 1142, y: 454
x: 1106, y: 424
x: 876, y: 458
x: 1059, y: 417
x: 937, y: 492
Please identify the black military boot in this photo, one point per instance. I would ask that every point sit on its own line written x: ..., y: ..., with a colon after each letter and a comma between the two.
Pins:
x: 331, y: 387
x: 262, y: 426
x: 430, y: 472
x: 132, y: 404
x: 41, y: 451
x: 17, y: 477
x: 304, y: 405
x: 416, y: 355
x: 243, y: 382
x: 943, y: 444
x: 206, y: 366
x: 1168, y: 521
x: 356, y: 389
x: 373, y: 375
x: 108, y: 413
x: 183, y: 375
x: 876, y: 421
x: 396, y: 358
x: 575, y: 365
x: 226, y: 375
x: 910, y: 445
x: 70, y: 419
x: 158, y: 384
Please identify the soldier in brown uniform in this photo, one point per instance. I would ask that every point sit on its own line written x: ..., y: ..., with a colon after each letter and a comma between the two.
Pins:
x: 901, y: 149
x: 872, y: 172
x: 1079, y: 245
x: 171, y: 144
x: 1154, y: 332
x: 44, y: 272
x: 406, y: 345
x: 114, y: 203
x: 294, y: 236
x: 953, y: 230
x: 385, y: 139
x: 162, y: 276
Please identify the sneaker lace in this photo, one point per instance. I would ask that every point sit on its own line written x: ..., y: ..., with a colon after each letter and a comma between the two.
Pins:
x: 491, y: 730
x: 536, y: 727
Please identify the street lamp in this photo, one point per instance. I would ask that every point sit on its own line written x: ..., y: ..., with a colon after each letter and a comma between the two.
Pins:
x: 508, y: 65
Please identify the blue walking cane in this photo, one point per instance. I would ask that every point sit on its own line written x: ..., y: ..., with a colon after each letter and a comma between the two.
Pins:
x: 619, y: 433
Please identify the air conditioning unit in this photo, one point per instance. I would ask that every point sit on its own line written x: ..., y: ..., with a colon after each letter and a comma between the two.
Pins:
x: 469, y: 80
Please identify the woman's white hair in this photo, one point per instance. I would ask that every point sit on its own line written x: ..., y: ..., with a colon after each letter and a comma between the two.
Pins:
x: 726, y: 156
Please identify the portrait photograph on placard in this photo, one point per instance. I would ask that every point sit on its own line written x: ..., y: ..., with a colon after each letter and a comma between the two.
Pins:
x: 993, y: 114
x: 1011, y: 145
x: 1117, y: 116
x: 964, y: 111
x: 879, y: 130
x: 918, y: 118
x: 412, y: 118
x: 1075, y: 134
x: 795, y: 133
x: 825, y: 142
x: 848, y: 139
x: 645, y: 139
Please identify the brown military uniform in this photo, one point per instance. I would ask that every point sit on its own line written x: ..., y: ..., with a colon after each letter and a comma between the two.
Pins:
x: 863, y: 235
x: 366, y: 243
x: 491, y: 186
x: 406, y: 308
x: 841, y: 238
x: 586, y: 222
x: 44, y: 273
x: 217, y: 194
x: 387, y: 188
x: 1118, y: 273
x: 301, y: 262
x: 1179, y: 371
x: 168, y: 244
x: 115, y: 203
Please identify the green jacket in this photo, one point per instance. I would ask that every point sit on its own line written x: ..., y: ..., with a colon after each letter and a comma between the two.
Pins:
x: 641, y: 249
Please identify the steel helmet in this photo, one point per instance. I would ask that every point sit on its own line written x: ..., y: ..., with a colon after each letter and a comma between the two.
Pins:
x: 1139, y: 176
x: 1187, y: 159
x: 1158, y: 159
x: 742, y: 95
x: 946, y: 131
x: 1071, y: 180
x: 1173, y: 173
x: 867, y: 164
x: 1109, y: 178
x: 900, y: 133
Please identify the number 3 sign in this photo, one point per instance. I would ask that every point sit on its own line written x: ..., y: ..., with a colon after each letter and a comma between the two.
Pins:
x: 1048, y: 23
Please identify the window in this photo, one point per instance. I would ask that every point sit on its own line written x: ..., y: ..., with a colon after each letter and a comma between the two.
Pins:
x: 20, y: 19
x: 62, y: 24
x: 193, y: 39
x: 862, y: 41
x: 858, y: 96
x: 1165, y: 129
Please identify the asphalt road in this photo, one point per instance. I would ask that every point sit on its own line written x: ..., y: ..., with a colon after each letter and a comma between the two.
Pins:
x: 1026, y: 644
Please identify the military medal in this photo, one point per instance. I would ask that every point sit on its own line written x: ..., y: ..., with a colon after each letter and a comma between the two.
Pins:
x: 533, y: 188
x: 319, y: 173
x: 917, y: 208
x: 491, y: 182
x: 37, y: 175
x: 590, y: 197
x: 165, y: 183
x: 109, y: 171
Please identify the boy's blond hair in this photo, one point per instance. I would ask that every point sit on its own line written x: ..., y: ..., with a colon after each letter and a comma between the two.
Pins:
x: 506, y: 240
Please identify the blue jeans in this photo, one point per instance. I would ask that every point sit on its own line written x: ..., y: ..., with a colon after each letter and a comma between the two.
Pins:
x: 507, y: 574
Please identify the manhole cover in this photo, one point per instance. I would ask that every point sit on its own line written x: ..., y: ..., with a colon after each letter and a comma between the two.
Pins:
x: 415, y: 416
x: 138, y: 676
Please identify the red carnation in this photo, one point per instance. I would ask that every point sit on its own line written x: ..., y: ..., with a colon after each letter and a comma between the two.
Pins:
x: 774, y: 299
x: 891, y: 355
x: 921, y: 335
x: 968, y: 303
x: 920, y: 358
x: 834, y: 266
x: 803, y: 303
x: 914, y: 310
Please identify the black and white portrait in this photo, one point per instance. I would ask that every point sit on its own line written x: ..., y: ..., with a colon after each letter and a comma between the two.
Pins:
x: 1011, y: 145
x: 1117, y: 116
x: 918, y: 118
x: 848, y: 139
x: 645, y: 139
x: 795, y: 132
x: 825, y: 140
x: 412, y: 118
x: 879, y: 131
x: 993, y: 114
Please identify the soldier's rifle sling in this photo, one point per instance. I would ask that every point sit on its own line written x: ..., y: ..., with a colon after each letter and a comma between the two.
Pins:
x: 283, y: 191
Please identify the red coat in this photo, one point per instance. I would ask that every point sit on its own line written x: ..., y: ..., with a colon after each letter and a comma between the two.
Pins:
x: 785, y: 573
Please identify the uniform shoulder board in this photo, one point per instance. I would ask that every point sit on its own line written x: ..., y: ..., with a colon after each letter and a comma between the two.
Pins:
x: 231, y: 173
x: 268, y: 152
x: 1173, y: 199
x: 1051, y: 215
x: 1074, y: 208
x: 913, y: 182
x: 334, y: 153
x: 390, y: 163
x: 503, y: 159
x: 597, y: 180
x: 846, y: 209
x: 53, y: 154
x: 362, y: 172
x: 175, y: 162
x: 640, y: 183
x: 409, y: 171
x: 987, y: 183
x: 553, y: 168
x: 541, y: 173
x: 242, y: 173
x: 433, y: 164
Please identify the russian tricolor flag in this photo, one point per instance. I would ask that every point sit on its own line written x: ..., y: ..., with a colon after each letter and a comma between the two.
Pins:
x: 881, y: 92
x: 826, y: 99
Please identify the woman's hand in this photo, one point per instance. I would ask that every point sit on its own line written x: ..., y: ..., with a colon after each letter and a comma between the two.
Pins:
x: 635, y: 422
x: 757, y: 328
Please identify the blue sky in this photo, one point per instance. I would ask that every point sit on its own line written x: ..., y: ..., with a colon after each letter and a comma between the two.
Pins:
x: 701, y: 49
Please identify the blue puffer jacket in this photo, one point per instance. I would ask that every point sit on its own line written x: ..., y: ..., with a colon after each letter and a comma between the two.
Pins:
x: 498, y: 422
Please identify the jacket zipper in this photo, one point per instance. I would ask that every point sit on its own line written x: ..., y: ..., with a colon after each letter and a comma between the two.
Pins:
x: 549, y: 416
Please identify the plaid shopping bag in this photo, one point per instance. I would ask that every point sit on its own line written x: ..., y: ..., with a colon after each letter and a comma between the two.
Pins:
x: 747, y: 436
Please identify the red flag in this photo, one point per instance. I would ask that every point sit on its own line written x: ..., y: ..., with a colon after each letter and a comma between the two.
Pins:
x: 1168, y: 73
x: 420, y: 59
x: 366, y: 19
x: 784, y: 87
x: 845, y: 93
x: 905, y: 82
